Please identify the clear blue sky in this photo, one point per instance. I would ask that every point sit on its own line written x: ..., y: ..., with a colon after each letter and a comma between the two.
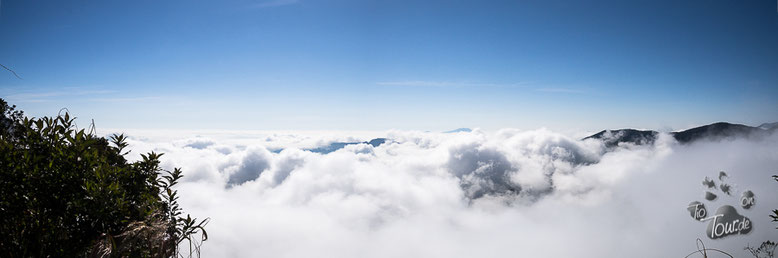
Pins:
x: 375, y: 65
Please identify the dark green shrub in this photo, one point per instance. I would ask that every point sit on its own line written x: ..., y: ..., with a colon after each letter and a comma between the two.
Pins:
x: 774, y: 216
x: 68, y: 193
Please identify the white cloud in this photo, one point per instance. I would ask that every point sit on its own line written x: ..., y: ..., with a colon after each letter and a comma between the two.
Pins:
x: 51, y: 95
x: 449, y: 195
x: 562, y: 90
x: 449, y: 84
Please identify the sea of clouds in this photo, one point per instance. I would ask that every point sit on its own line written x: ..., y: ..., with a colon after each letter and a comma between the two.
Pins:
x: 468, y: 194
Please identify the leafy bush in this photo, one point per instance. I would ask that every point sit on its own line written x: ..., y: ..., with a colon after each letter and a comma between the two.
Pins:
x: 65, y: 192
x: 774, y: 216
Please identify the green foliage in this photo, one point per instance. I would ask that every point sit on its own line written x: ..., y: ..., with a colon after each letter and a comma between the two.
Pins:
x: 765, y: 250
x: 774, y: 216
x: 67, y: 193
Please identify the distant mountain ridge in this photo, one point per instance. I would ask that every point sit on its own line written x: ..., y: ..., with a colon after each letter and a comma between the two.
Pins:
x: 459, y: 130
x: 339, y: 145
x: 612, y: 138
x: 715, y: 131
x: 374, y: 142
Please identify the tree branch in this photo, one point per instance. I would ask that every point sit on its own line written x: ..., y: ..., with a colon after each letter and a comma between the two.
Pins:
x: 12, y: 71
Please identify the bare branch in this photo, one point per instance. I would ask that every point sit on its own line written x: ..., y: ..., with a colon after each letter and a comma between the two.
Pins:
x: 12, y: 71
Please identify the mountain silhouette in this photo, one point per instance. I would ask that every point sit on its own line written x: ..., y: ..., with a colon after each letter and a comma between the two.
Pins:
x: 612, y: 138
x: 339, y: 145
x: 718, y: 131
x: 715, y: 131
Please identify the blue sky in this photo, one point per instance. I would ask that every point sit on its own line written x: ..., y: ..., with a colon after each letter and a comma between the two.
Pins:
x: 377, y: 65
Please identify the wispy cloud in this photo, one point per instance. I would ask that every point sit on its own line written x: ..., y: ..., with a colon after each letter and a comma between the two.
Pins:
x: 562, y: 90
x: 46, y: 96
x: 448, y: 84
x: 274, y: 3
x: 127, y: 99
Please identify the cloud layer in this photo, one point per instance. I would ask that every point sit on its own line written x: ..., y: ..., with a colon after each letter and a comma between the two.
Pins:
x: 467, y: 194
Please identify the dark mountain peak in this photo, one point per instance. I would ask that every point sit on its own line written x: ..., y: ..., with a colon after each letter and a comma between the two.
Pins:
x: 717, y: 131
x: 612, y: 138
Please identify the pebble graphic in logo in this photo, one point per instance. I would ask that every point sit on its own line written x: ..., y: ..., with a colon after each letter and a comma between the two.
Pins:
x: 726, y: 221
x: 697, y: 210
x: 747, y: 200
